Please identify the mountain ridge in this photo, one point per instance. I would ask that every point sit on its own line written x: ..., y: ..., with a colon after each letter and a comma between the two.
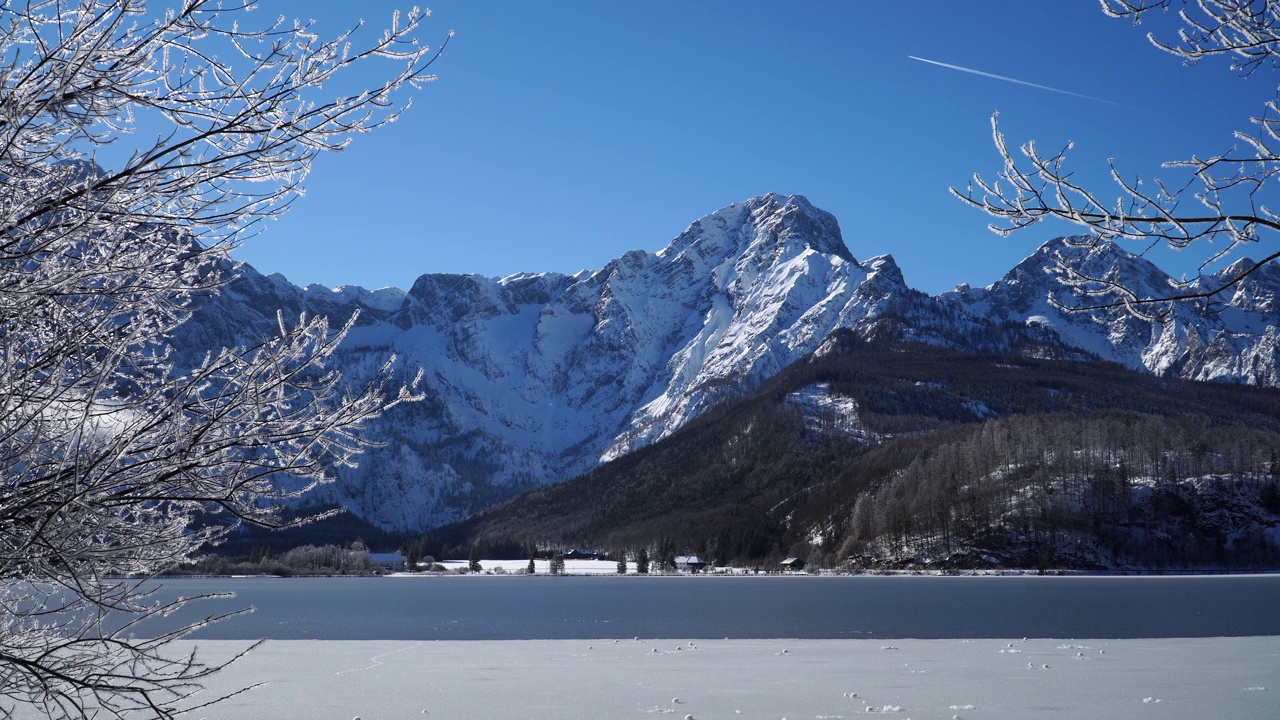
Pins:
x: 537, y: 377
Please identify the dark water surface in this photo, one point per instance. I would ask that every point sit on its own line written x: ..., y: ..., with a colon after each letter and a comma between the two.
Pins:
x: 528, y: 608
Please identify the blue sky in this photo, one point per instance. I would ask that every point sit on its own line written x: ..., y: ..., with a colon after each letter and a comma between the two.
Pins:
x: 560, y: 135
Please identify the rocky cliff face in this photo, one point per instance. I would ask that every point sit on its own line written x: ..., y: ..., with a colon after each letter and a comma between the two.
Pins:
x: 1232, y: 337
x: 533, y: 378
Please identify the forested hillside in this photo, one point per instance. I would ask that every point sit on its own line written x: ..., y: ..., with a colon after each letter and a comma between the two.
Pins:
x: 880, y: 455
x: 1111, y: 490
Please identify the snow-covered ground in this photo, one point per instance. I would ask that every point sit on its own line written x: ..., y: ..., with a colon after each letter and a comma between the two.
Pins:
x: 827, y: 414
x: 798, y: 679
x: 571, y: 567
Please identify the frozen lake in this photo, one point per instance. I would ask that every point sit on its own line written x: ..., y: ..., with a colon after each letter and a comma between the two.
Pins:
x: 559, y: 608
x: 1168, y: 679
x: 824, y: 648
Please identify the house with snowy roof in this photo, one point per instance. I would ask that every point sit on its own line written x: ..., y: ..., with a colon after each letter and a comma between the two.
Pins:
x: 690, y: 563
x: 392, y: 562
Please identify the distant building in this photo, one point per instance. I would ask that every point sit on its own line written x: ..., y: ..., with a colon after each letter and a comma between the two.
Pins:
x: 690, y: 563
x: 792, y: 564
x: 578, y: 554
x: 394, y: 562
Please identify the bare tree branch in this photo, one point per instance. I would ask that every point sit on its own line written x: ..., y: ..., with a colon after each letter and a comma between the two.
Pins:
x: 1219, y: 200
x: 108, y: 453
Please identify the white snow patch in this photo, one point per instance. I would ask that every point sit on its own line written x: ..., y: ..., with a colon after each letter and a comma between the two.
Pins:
x: 828, y: 414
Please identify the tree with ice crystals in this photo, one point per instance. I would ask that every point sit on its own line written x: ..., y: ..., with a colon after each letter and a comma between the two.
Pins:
x: 108, y: 453
x: 1217, y: 198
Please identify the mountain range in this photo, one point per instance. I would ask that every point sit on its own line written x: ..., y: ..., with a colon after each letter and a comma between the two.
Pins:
x: 535, y: 378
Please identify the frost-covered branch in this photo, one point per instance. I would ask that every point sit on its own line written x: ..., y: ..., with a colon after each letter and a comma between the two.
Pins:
x: 1220, y: 199
x: 1246, y: 30
x: 112, y: 460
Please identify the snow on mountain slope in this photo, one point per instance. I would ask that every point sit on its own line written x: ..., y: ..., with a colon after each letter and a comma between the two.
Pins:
x: 772, y: 279
x: 1234, y: 338
x: 533, y: 378
x: 825, y: 414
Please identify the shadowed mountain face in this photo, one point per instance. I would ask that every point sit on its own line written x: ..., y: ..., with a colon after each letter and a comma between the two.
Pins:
x: 535, y: 378
x: 883, y: 455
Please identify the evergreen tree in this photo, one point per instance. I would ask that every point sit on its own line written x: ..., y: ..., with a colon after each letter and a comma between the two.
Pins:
x: 532, y: 569
x: 642, y: 562
x: 412, y: 552
x: 622, y: 564
x: 473, y: 561
x: 666, y: 549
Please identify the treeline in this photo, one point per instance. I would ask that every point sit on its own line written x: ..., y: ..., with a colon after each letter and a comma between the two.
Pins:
x: 1108, y: 490
x: 305, y: 560
x: 341, y: 530
x: 429, y: 548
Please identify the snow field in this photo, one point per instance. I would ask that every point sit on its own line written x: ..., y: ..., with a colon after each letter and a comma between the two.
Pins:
x: 769, y: 679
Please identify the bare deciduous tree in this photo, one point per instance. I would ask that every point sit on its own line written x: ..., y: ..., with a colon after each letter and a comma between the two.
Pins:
x: 108, y: 453
x: 1218, y: 198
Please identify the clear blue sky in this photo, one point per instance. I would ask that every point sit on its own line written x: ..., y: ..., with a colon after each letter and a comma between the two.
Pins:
x: 560, y: 135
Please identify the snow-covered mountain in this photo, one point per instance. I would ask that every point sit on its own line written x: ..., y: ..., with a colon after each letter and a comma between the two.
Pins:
x: 533, y: 378
x: 1233, y: 338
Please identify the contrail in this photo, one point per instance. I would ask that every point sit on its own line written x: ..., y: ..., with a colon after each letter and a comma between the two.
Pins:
x: 1016, y: 81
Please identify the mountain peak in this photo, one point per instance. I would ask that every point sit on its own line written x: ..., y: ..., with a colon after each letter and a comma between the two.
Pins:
x: 886, y: 267
x: 1086, y: 260
x: 797, y: 218
x: 767, y: 226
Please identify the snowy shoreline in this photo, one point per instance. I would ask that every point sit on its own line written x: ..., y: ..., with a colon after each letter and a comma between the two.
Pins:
x: 577, y: 567
x: 703, y: 679
x: 609, y: 567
